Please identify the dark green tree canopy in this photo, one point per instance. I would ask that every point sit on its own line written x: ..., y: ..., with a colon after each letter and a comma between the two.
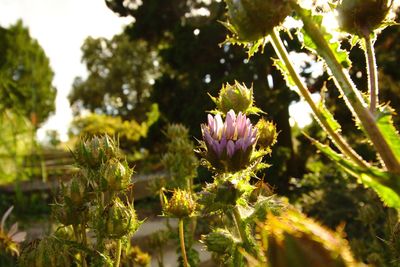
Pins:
x: 25, y: 75
x: 121, y: 74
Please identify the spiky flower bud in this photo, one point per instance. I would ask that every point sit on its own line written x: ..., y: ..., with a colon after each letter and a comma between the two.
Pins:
x: 117, y: 175
x: 255, y: 19
x: 267, y: 134
x: 120, y: 220
x: 361, y: 17
x: 229, y: 144
x: 220, y: 241
x: 74, y: 192
x: 180, y: 205
x: 236, y: 97
x: 93, y: 152
x: 292, y: 239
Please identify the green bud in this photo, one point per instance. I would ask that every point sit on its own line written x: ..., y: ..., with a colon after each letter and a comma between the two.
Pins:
x: 120, y: 220
x: 220, y: 241
x: 236, y: 97
x: 93, y: 152
x: 266, y: 133
x: 117, y: 175
x: 180, y: 205
x: 255, y: 19
x: 75, y: 191
x: 361, y: 17
x: 292, y: 239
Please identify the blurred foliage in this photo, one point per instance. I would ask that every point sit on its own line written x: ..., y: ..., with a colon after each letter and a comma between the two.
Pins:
x: 16, y: 142
x: 25, y: 75
x: 121, y: 74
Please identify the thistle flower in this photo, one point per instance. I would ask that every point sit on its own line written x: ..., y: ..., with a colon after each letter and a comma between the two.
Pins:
x: 229, y: 144
x: 9, y: 240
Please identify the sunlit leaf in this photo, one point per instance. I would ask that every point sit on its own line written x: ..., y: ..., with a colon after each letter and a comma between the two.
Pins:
x: 385, y: 124
x: 385, y: 184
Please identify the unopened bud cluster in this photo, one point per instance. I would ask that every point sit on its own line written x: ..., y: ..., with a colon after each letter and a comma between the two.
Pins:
x: 95, y: 200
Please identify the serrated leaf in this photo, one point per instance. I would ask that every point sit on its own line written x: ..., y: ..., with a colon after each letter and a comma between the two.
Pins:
x: 285, y: 72
x: 386, y: 185
x: 341, y: 55
x: 385, y: 124
x: 329, y: 117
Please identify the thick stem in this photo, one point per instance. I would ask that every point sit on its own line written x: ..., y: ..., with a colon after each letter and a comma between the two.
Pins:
x: 351, y: 95
x: 335, y: 136
x: 372, y: 73
x: 182, y: 241
x: 119, y: 249
x: 238, y: 219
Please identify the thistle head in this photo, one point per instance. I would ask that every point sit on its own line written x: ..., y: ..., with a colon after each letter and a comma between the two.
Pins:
x: 361, y: 17
x: 250, y: 20
x: 229, y: 144
x: 120, y: 220
x: 220, y: 241
x: 237, y: 97
x: 180, y: 205
x: 93, y: 152
x: 267, y: 134
x: 117, y: 175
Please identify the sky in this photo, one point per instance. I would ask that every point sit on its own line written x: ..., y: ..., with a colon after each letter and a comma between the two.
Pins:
x: 61, y: 26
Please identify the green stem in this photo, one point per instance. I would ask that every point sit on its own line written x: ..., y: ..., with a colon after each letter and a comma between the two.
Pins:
x: 238, y: 219
x: 84, y: 242
x: 351, y: 95
x: 182, y: 241
x: 119, y: 249
x: 372, y: 73
x: 334, y: 135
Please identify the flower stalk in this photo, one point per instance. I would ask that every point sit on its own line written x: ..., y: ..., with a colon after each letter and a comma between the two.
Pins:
x: 119, y: 249
x: 372, y: 73
x: 351, y: 95
x: 182, y: 242
x: 337, y: 139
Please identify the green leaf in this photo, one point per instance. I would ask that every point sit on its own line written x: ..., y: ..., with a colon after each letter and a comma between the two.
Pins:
x: 329, y: 117
x: 280, y: 65
x: 385, y: 184
x: 385, y: 124
x: 341, y: 55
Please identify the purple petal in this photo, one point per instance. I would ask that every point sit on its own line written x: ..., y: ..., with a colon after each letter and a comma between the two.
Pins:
x: 219, y: 126
x: 230, y: 124
x: 230, y: 148
x: 19, y: 237
x: 210, y: 119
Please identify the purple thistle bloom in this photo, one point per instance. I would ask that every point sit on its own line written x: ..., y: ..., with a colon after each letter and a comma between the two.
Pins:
x: 230, y: 143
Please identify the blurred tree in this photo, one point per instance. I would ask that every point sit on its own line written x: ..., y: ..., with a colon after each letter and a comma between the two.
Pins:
x: 25, y: 75
x: 121, y: 74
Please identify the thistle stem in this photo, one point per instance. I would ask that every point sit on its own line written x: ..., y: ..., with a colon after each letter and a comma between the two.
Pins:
x: 334, y: 135
x: 372, y: 73
x: 350, y: 93
x: 182, y: 241
x: 119, y: 249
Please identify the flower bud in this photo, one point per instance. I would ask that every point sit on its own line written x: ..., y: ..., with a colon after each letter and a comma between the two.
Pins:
x: 267, y: 134
x: 236, y: 97
x: 229, y: 144
x: 94, y: 152
x: 292, y: 238
x: 116, y: 175
x: 254, y: 19
x: 74, y: 192
x: 219, y: 241
x: 180, y: 205
x: 120, y: 220
x: 361, y: 17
